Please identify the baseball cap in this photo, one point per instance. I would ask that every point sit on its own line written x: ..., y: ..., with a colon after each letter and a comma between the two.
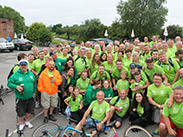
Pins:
x: 149, y: 59
x: 72, y: 45
x: 23, y: 62
x: 51, y: 53
x: 133, y: 65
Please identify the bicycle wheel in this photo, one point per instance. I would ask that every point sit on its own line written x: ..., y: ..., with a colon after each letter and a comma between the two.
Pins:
x: 136, y: 131
x: 47, y: 130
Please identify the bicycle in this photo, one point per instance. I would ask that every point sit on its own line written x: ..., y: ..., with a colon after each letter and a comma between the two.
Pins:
x: 2, y: 91
x: 136, y: 131
x: 112, y: 125
x: 17, y: 133
x: 53, y: 130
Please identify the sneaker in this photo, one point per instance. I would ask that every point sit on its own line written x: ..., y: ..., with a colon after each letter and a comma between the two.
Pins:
x: 51, y: 117
x: 21, y: 127
x: 45, y: 120
x: 38, y: 105
x: 28, y: 124
x: 106, y: 130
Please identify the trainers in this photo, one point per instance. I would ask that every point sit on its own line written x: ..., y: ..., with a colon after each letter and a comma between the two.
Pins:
x: 45, y: 120
x: 28, y: 124
x: 38, y: 105
x: 51, y: 117
x: 21, y: 127
x: 106, y: 130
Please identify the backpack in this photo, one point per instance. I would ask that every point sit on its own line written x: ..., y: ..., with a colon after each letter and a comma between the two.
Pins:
x: 11, y: 71
x: 118, y: 100
x: 169, y: 60
x: 83, y: 59
x: 97, y: 74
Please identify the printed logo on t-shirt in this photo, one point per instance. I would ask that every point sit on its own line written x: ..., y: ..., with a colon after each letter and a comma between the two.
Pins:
x: 154, y: 92
x: 20, y: 79
x: 59, y: 63
x: 125, y: 84
x: 94, y: 108
x: 101, y: 109
x: 31, y: 77
x: 142, y: 111
x: 79, y: 99
x: 175, y: 110
x: 126, y: 105
x: 162, y: 92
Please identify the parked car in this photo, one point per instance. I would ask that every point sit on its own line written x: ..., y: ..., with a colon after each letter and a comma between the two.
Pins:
x: 5, y: 45
x: 106, y: 40
x: 22, y: 44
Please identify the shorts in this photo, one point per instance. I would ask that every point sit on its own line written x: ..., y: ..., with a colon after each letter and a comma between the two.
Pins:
x: 178, y: 130
x: 156, y: 115
x: 117, y: 118
x: 25, y: 106
x: 48, y: 101
x: 90, y: 123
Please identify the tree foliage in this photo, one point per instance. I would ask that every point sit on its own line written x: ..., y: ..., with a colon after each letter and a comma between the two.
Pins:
x: 39, y: 32
x: 91, y: 29
x: 146, y: 17
x: 18, y: 20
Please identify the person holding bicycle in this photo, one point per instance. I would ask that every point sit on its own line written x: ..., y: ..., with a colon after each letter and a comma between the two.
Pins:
x: 100, y: 114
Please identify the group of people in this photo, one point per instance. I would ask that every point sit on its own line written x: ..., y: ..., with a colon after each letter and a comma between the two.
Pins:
x: 100, y: 83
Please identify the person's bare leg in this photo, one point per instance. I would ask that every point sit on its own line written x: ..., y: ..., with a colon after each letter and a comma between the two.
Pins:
x: 51, y: 110
x: 45, y: 112
x: 163, y: 130
x: 21, y: 120
x: 111, y: 114
x: 27, y: 116
x: 78, y: 127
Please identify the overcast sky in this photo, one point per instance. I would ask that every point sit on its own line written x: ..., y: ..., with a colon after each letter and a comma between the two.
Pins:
x: 70, y: 12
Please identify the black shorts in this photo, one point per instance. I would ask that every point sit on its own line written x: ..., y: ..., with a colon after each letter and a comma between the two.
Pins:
x: 25, y: 106
x: 117, y: 118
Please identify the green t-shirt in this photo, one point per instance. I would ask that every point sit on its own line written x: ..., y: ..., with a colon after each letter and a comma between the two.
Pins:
x: 107, y: 66
x: 141, y: 84
x: 127, y: 62
x: 140, y: 110
x: 83, y: 85
x: 16, y: 68
x: 169, y: 70
x: 117, y: 74
x: 145, y: 56
x: 124, y: 104
x: 179, y: 82
x: 175, y: 113
x: 155, y: 69
x: 108, y: 92
x: 59, y: 55
x: 93, y: 69
x: 30, y: 65
x: 59, y: 63
x: 99, y: 110
x: 80, y: 64
x: 102, y: 77
x: 122, y: 85
x: 68, y: 80
x: 159, y: 94
x: 151, y: 43
x: 181, y: 64
x: 75, y: 105
x: 37, y: 64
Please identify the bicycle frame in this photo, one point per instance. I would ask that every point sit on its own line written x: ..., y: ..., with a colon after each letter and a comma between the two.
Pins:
x: 116, y: 134
x: 73, y: 129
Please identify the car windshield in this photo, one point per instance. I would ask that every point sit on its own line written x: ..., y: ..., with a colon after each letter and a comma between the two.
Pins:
x: 2, y: 40
x: 23, y: 40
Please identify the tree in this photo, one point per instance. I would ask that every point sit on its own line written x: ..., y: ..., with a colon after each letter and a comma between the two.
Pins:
x: 146, y: 17
x: 38, y: 32
x: 18, y: 20
x: 55, y: 27
x: 91, y: 29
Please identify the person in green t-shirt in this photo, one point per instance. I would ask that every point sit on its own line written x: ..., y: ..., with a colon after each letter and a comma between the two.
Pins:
x: 108, y: 93
x: 117, y: 72
x: 128, y: 60
x: 119, y: 108
x: 173, y: 117
x: 59, y: 50
x: 122, y: 83
x: 170, y: 67
x: 179, y: 58
x: 30, y: 60
x: 157, y: 94
x: 141, y: 111
x: 109, y: 63
x: 152, y: 68
x: 93, y: 66
x: 100, y: 113
x: 75, y: 102
x: 180, y: 81
x: 137, y: 84
x: 101, y: 74
x: 147, y: 52
x: 37, y: 64
x: 83, y: 82
x: 155, y: 55
x: 154, y: 40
